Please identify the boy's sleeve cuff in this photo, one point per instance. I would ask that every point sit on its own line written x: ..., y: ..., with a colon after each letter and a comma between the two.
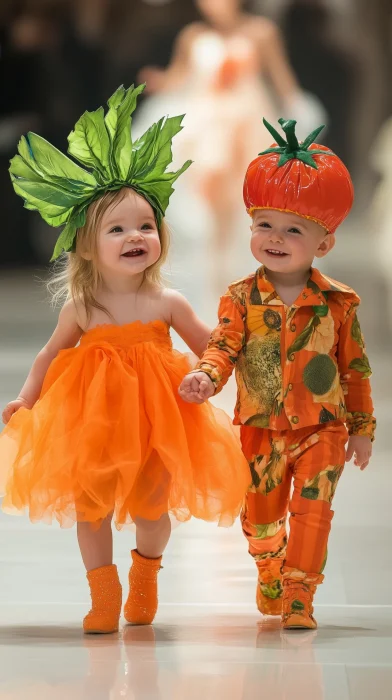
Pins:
x: 211, y: 371
x: 361, y: 424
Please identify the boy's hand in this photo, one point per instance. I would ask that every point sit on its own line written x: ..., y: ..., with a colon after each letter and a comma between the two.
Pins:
x: 12, y: 407
x: 196, y: 388
x: 361, y: 447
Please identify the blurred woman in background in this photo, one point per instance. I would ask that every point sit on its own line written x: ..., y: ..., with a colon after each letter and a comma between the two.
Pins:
x: 227, y: 72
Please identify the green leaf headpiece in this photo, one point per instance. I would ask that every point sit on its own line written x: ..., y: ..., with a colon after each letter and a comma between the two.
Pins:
x: 61, y: 190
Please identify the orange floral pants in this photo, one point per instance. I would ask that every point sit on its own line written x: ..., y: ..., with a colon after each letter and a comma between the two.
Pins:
x: 297, y: 472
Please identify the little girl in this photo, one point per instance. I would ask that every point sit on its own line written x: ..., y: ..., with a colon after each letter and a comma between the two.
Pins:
x: 99, y: 430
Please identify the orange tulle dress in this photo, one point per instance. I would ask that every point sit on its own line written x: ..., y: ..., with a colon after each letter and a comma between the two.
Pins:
x: 111, y: 434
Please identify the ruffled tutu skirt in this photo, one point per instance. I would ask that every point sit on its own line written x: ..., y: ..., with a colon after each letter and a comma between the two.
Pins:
x: 111, y: 434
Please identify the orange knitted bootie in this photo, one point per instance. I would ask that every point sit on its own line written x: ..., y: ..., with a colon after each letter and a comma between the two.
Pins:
x: 298, y: 605
x: 106, y: 597
x: 142, y: 603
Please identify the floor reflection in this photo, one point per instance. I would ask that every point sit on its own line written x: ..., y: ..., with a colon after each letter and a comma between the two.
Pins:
x: 226, y: 657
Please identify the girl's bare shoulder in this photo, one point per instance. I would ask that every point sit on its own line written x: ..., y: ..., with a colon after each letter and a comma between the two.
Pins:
x: 175, y: 303
x: 75, y: 312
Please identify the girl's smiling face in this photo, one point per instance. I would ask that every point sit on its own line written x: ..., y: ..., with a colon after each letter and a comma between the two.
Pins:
x: 128, y: 238
x: 287, y: 243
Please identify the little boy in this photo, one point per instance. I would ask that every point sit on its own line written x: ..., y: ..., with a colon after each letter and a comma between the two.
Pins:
x: 293, y: 337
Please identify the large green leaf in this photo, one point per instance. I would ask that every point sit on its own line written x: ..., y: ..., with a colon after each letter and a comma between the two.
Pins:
x: 49, y: 193
x: 122, y: 142
x: 66, y: 239
x: 52, y: 162
x: 111, y: 117
x: 22, y: 173
x: 89, y: 143
x: 24, y: 149
x: 144, y: 152
x: 56, y: 220
x: 168, y: 128
x: 36, y: 204
x: 144, y: 145
x: 22, y: 170
x: 165, y: 178
x: 111, y: 120
x: 151, y: 162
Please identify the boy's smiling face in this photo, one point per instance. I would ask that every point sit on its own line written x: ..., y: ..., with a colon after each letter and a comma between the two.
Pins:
x: 287, y: 243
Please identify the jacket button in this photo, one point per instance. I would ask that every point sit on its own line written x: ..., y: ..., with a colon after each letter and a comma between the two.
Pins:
x: 304, y: 296
x: 292, y: 357
x: 290, y: 387
x: 293, y: 327
x: 295, y: 420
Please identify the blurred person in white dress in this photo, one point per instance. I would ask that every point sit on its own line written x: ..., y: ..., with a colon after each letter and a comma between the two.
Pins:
x: 227, y: 72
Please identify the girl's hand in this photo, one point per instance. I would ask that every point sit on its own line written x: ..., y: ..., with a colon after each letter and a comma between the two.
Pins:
x: 361, y: 447
x: 12, y: 407
x: 196, y: 388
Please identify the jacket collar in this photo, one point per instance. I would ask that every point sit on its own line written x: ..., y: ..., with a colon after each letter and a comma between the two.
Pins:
x: 315, y: 293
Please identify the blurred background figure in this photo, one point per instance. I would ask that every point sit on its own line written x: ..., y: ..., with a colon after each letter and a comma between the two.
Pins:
x: 50, y: 71
x: 227, y: 63
x: 380, y: 213
x: 227, y: 72
x: 314, y: 38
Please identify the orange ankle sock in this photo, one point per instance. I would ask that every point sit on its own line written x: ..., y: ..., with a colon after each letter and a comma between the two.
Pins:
x: 106, y: 597
x: 142, y: 603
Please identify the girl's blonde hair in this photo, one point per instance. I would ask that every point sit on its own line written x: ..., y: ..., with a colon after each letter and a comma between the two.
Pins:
x: 76, y: 278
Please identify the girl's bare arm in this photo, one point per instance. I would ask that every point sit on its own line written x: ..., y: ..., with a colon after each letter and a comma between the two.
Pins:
x: 66, y: 335
x: 194, y: 332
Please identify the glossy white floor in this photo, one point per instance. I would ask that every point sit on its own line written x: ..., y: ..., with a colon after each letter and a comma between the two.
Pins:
x: 208, y: 642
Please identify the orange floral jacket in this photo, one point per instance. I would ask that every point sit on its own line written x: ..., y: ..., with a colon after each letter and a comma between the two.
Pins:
x: 295, y: 366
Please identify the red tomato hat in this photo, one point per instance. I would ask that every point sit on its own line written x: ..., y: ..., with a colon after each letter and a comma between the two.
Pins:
x: 305, y: 178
